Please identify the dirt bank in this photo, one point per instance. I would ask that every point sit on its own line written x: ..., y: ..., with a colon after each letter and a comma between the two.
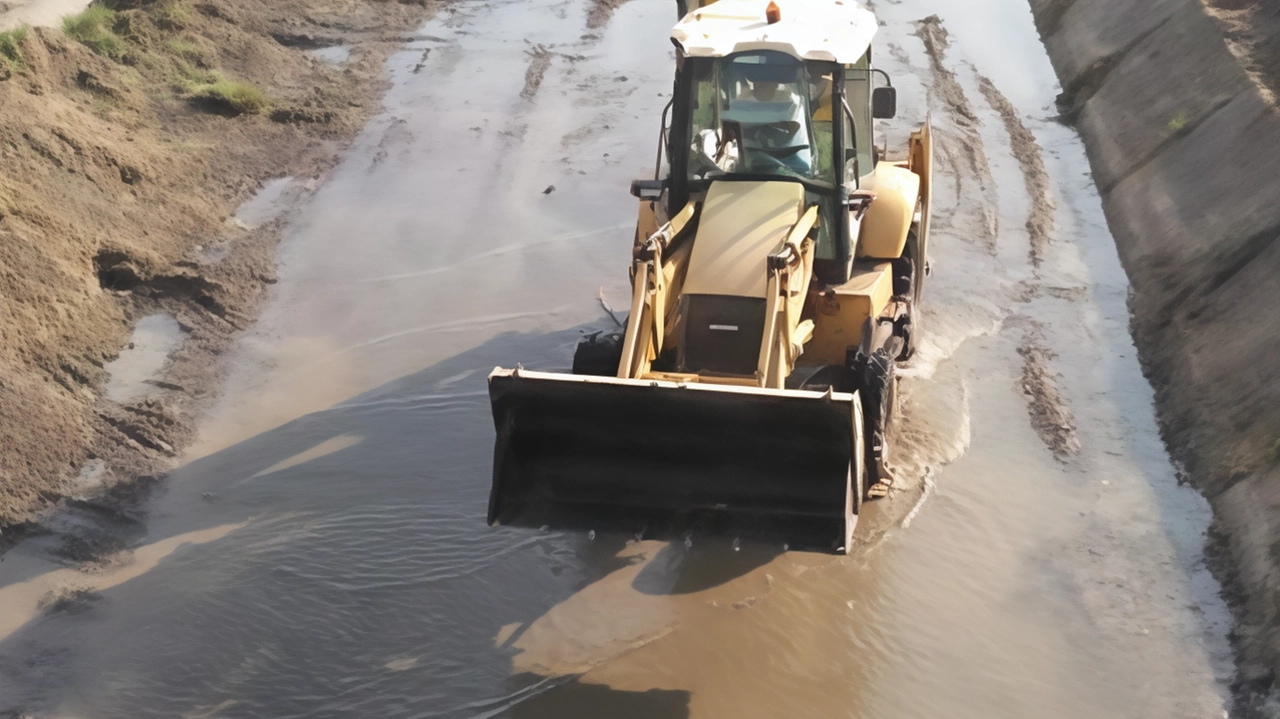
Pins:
x: 122, y: 167
x: 1174, y: 99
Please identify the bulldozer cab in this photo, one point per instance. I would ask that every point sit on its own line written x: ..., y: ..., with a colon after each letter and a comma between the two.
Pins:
x: 796, y: 110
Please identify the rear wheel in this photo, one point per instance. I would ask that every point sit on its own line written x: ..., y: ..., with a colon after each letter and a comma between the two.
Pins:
x: 836, y: 378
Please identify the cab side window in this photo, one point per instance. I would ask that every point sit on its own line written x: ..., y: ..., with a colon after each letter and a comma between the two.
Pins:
x: 857, y: 88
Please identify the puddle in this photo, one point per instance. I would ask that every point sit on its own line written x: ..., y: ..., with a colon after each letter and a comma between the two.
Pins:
x: 267, y: 205
x: 154, y: 339
x: 335, y: 55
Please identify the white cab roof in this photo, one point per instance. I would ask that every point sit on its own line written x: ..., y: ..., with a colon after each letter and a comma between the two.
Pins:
x: 827, y: 30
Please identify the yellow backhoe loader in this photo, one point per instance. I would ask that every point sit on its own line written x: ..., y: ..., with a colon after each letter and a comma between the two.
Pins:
x: 778, y: 265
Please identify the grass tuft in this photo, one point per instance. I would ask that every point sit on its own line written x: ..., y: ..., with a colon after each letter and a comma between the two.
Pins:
x: 1178, y: 124
x: 1274, y: 454
x: 11, y: 47
x: 190, y: 77
x: 171, y: 14
x: 184, y: 48
x: 94, y: 28
x: 239, y: 98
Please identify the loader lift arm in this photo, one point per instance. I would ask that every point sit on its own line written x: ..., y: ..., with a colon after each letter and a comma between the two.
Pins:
x: 646, y: 322
x: 790, y: 269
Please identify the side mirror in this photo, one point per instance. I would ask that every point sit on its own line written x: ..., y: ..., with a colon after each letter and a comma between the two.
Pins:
x: 884, y: 103
x: 648, y: 190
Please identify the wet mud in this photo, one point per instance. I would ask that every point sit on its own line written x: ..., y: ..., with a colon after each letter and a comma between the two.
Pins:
x: 965, y: 156
x: 600, y: 12
x: 539, y: 61
x: 1028, y: 153
x: 1049, y: 415
x: 322, y: 550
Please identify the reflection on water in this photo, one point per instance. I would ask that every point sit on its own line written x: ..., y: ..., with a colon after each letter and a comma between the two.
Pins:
x: 325, y: 448
x: 30, y: 587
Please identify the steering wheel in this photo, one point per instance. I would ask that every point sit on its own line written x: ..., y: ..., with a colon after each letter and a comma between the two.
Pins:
x: 772, y: 134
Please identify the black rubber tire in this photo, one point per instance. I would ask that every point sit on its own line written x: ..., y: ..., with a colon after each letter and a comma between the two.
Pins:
x: 837, y: 378
x: 913, y: 334
x: 598, y: 354
x: 891, y: 409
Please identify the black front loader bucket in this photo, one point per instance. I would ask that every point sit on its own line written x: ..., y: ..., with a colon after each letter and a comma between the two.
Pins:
x: 584, y: 452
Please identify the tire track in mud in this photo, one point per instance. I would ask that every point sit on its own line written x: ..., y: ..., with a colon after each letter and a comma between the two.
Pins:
x: 600, y: 12
x: 1031, y: 160
x: 539, y: 62
x: 964, y: 154
x: 964, y: 151
x: 1049, y: 414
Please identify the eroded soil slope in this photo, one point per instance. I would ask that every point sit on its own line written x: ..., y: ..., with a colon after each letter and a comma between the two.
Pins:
x: 116, y: 191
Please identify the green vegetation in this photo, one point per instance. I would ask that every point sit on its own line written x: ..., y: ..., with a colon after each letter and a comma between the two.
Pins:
x: 191, y: 77
x: 210, y: 86
x: 239, y: 96
x: 95, y: 29
x: 1179, y: 123
x: 171, y: 14
x: 184, y: 48
x: 11, y: 47
x: 1274, y: 454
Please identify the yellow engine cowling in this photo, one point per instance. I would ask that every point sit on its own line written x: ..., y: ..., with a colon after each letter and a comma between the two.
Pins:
x: 842, y: 312
x: 742, y: 222
x: 883, y: 235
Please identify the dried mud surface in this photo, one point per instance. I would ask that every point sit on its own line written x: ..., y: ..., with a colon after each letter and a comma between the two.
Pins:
x: 116, y: 185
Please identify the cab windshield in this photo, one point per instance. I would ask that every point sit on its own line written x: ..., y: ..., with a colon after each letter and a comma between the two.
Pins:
x: 761, y: 113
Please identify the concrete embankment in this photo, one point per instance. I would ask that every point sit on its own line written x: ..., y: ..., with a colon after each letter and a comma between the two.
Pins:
x: 1175, y: 101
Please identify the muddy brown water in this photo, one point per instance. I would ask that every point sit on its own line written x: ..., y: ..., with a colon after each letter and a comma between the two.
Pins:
x: 323, y: 552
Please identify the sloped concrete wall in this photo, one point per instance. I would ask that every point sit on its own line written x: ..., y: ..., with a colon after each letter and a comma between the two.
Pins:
x: 1185, y: 148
